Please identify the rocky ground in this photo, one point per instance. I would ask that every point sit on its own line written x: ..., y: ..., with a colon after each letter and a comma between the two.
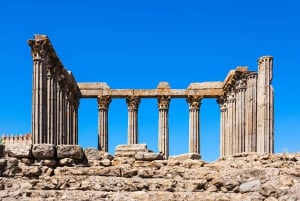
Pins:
x: 46, y: 172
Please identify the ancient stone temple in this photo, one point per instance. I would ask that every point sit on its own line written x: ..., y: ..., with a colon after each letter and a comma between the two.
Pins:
x: 245, y: 98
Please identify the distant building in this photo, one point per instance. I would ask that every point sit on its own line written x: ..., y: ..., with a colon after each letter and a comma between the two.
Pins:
x: 14, y: 139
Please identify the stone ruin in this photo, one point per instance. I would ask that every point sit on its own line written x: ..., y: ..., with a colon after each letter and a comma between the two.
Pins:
x: 54, y: 167
x: 245, y: 98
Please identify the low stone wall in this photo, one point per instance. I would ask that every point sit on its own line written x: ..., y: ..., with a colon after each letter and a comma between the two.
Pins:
x: 67, y: 172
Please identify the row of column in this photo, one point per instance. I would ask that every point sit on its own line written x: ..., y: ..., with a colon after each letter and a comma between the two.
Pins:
x: 55, y: 97
x: 163, y: 125
x: 247, y: 111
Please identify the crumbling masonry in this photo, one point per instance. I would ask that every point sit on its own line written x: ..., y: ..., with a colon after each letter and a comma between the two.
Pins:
x: 245, y: 99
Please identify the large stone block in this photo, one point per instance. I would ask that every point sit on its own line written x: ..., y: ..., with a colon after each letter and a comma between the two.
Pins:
x: 92, y: 154
x: 130, y: 150
x: 43, y: 151
x: 69, y: 151
x: 18, y: 150
x: 148, y: 156
x: 192, y: 156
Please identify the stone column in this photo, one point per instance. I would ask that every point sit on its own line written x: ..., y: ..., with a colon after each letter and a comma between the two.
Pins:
x: 163, y: 125
x: 39, y: 89
x: 103, y: 104
x: 231, y: 121
x: 132, y: 103
x: 265, y: 107
x: 51, y: 105
x: 250, y: 127
x: 240, y: 113
x: 59, y: 103
x: 75, y: 120
x: 223, y: 122
x: 194, y: 126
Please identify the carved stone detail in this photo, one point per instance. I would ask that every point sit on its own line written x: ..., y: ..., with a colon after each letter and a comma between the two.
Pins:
x: 132, y: 102
x: 163, y: 102
x: 194, y: 102
x: 103, y: 102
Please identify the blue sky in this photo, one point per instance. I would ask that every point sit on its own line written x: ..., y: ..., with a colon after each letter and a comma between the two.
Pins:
x: 137, y: 44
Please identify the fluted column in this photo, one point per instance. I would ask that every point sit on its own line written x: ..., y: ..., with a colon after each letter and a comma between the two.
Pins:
x: 132, y: 103
x: 251, y: 114
x: 59, y: 115
x: 163, y: 125
x: 241, y: 85
x: 265, y: 106
x: 194, y: 126
x: 232, y: 140
x: 223, y: 121
x: 103, y: 104
x: 51, y: 105
x: 39, y: 89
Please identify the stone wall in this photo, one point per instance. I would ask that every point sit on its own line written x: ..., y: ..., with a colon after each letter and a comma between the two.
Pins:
x: 67, y: 172
x: 13, y: 139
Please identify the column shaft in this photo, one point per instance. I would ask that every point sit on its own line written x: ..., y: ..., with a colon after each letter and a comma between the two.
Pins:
x: 250, y: 127
x: 103, y: 104
x: 132, y: 103
x: 265, y: 106
x: 163, y: 126
x: 194, y: 127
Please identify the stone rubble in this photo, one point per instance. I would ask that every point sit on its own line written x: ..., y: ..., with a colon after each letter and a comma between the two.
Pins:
x: 77, y: 174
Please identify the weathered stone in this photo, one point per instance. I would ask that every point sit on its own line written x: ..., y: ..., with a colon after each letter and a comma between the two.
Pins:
x: 105, y: 162
x: 250, y: 186
x: 70, y: 151
x: 106, y: 155
x: 181, y: 157
x: 92, y: 154
x: 190, y: 163
x: 33, y: 171
x: 19, y: 150
x: 50, y: 163
x: 43, y: 151
x: 66, y: 162
x: 148, y: 156
x: 130, y: 150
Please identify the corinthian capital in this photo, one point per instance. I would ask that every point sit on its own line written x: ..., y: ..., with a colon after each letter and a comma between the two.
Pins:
x: 39, y: 46
x: 132, y: 102
x: 103, y: 102
x: 194, y: 102
x: 163, y: 102
x: 241, y: 84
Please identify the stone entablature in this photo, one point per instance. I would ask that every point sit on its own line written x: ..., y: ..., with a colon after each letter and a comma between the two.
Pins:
x: 245, y: 99
x: 204, y: 89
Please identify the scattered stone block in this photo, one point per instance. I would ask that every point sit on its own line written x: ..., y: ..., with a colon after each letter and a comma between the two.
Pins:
x: 92, y: 154
x: 66, y: 162
x: 250, y: 186
x: 33, y: 171
x: 130, y: 150
x: 43, y: 151
x: 69, y: 151
x: 105, y: 162
x: 19, y: 150
x: 148, y: 156
x: 181, y: 157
